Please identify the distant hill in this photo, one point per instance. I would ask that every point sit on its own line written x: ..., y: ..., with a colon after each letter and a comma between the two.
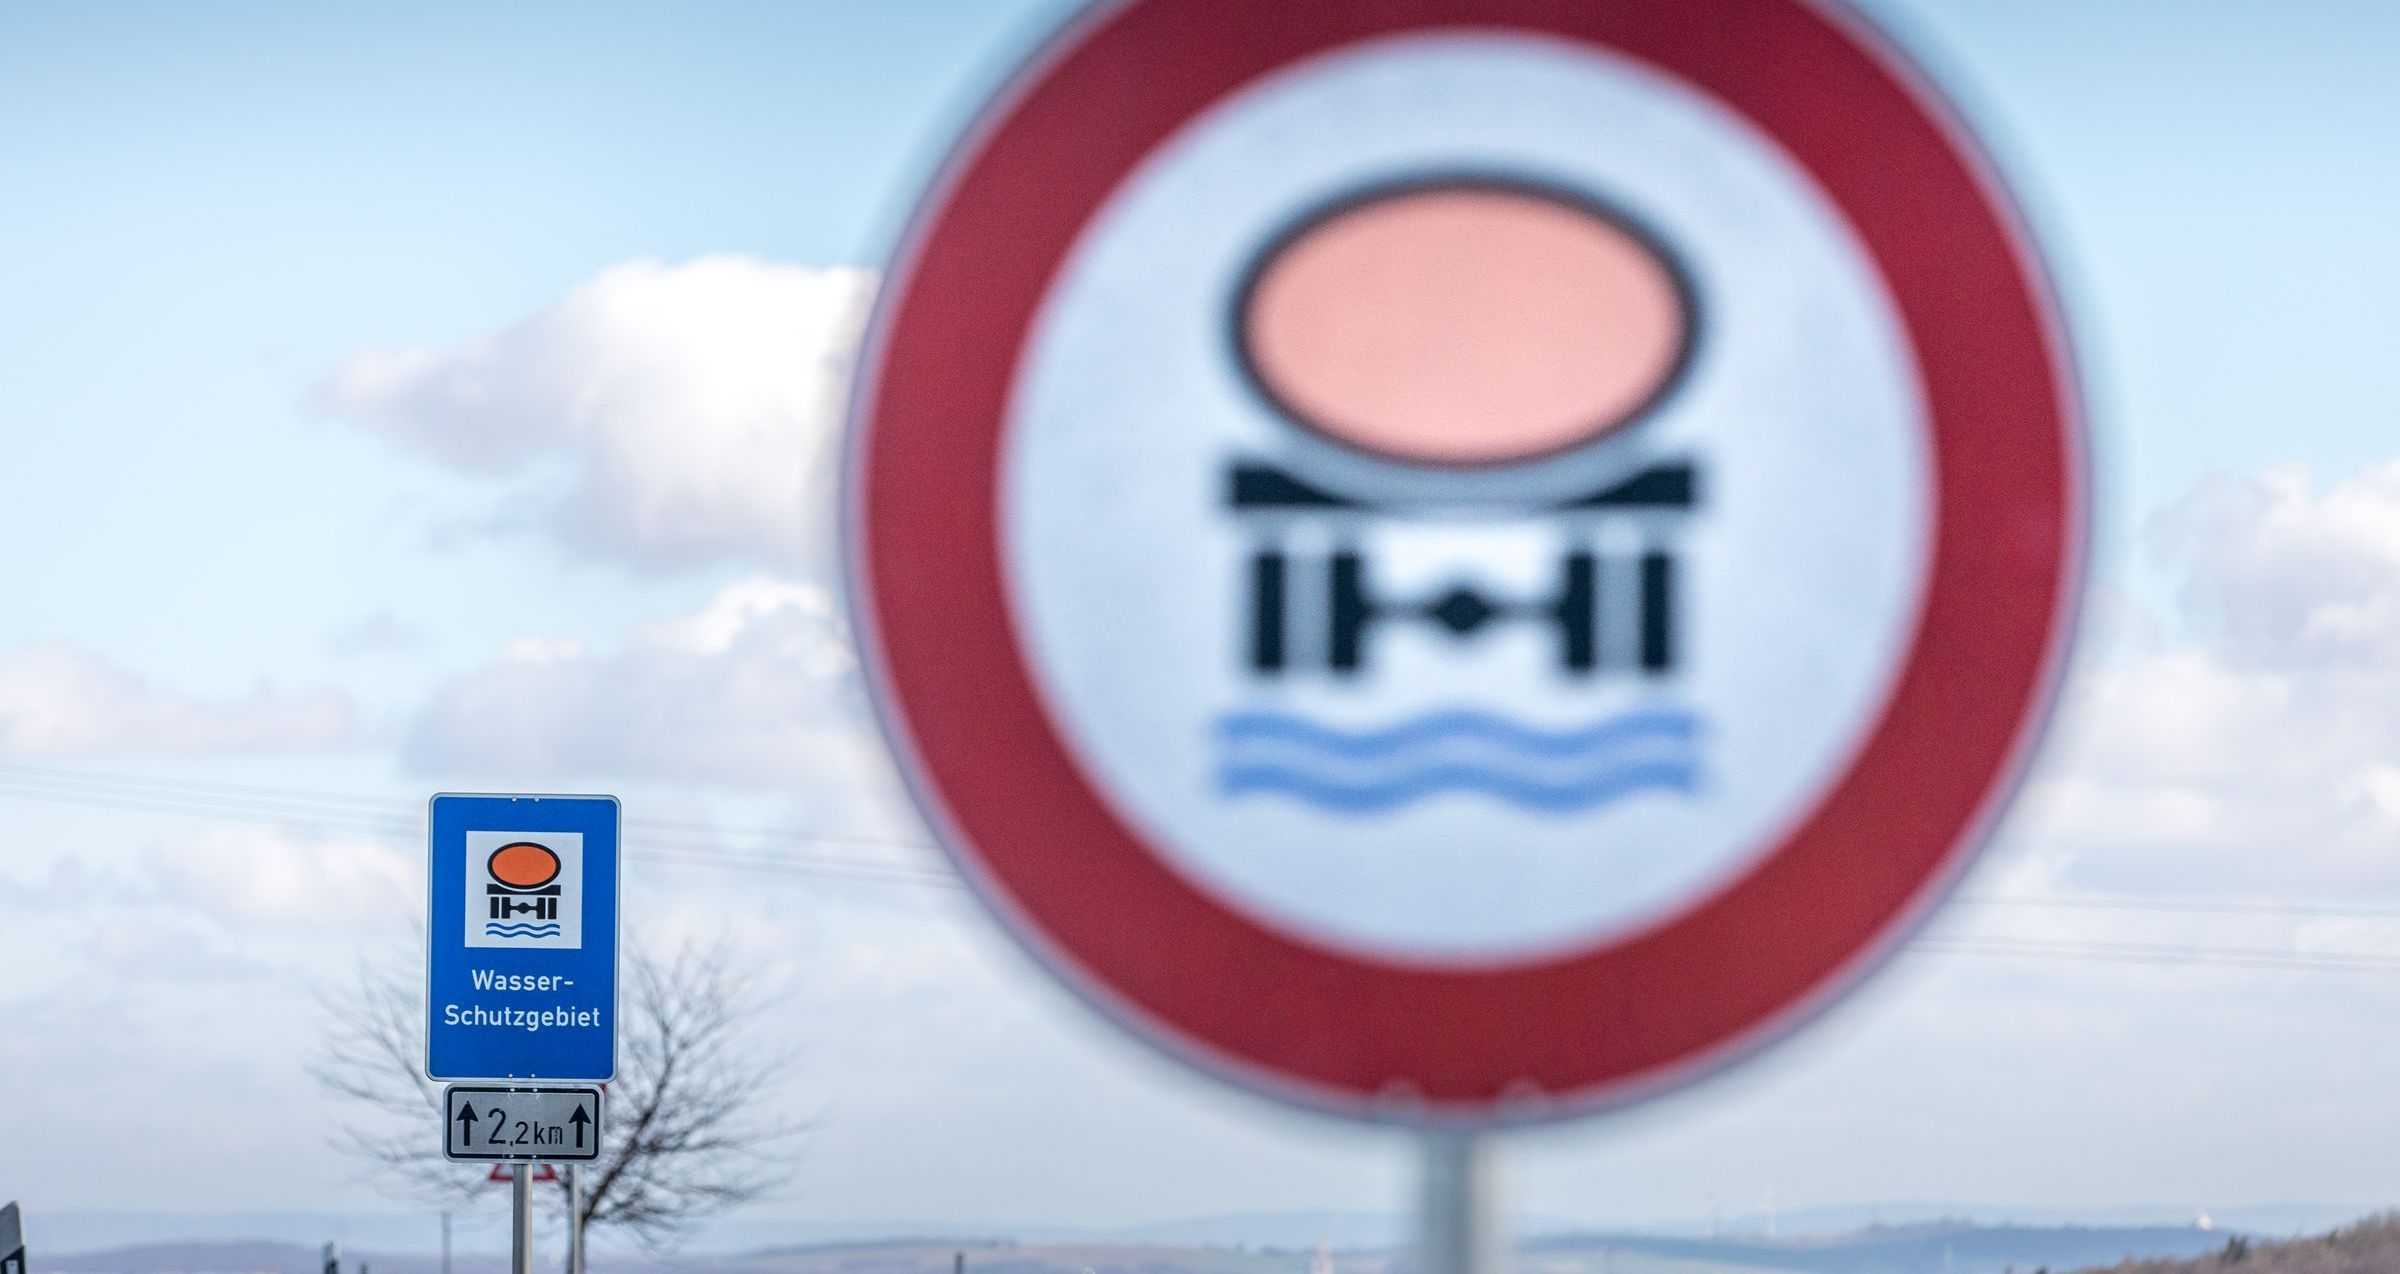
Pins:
x: 2370, y: 1247
x: 251, y: 1257
x: 483, y: 1226
x: 1949, y: 1248
x: 1925, y: 1249
x: 2280, y: 1220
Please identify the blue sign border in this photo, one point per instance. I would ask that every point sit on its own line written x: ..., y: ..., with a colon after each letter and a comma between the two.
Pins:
x: 482, y: 1052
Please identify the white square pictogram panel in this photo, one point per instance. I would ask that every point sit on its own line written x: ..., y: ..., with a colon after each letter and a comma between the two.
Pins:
x: 525, y: 890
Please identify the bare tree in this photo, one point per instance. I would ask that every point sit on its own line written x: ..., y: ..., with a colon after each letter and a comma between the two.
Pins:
x: 686, y: 1136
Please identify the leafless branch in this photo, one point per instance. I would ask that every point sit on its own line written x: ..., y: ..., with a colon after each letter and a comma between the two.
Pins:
x: 688, y: 1135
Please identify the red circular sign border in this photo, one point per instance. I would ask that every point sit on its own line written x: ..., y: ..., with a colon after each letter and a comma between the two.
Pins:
x: 1472, y: 1045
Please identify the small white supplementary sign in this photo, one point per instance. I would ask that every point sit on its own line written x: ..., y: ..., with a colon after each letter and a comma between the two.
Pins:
x: 494, y: 1123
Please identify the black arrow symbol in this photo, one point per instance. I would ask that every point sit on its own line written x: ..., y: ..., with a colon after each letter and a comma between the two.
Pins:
x: 579, y: 1119
x: 466, y: 1115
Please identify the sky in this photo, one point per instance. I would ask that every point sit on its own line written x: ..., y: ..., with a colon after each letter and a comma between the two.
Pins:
x: 419, y: 398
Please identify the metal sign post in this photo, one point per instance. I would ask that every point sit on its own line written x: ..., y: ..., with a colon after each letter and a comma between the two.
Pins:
x: 1466, y: 562
x: 574, y: 1218
x: 12, y: 1240
x: 520, y: 1221
x: 1460, y: 1217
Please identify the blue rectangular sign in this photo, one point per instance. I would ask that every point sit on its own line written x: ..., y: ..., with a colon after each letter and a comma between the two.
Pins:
x: 521, y: 938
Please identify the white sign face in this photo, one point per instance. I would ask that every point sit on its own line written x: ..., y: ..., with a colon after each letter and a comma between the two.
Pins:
x: 524, y: 890
x: 1507, y: 628
x: 494, y: 1123
x: 1464, y: 561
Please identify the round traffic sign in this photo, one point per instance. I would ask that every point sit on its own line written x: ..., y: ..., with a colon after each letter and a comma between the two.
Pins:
x: 1464, y: 560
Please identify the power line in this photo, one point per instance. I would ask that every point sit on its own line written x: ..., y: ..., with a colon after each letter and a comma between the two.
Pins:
x: 369, y: 814
x: 895, y: 875
x: 174, y: 803
x: 44, y: 773
x: 2154, y: 953
x: 2181, y: 906
x: 309, y: 796
x: 232, y: 803
x: 333, y: 813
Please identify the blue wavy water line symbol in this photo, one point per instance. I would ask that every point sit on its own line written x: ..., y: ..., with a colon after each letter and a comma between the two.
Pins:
x: 1460, y: 724
x: 495, y: 929
x: 1384, y: 794
x: 1553, y: 771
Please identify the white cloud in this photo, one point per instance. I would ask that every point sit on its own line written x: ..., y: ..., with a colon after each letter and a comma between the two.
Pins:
x: 170, y: 949
x: 2258, y: 754
x: 757, y: 689
x: 269, y: 880
x: 381, y: 633
x: 244, y: 881
x: 2289, y: 576
x: 692, y: 409
x: 59, y: 702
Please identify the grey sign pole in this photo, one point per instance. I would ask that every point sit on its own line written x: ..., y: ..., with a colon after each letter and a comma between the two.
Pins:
x: 520, y: 1220
x: 1461, y: 1224
x: 12, y: 1240
x: 574, y: 1218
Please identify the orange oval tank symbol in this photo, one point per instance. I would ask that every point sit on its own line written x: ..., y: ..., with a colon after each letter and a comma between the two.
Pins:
x: 1471, y: 323
x: 523, y: 865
